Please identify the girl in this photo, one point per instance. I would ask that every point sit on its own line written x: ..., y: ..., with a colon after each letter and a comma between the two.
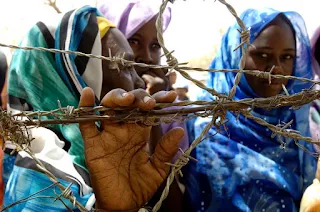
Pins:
x: 136, y: 19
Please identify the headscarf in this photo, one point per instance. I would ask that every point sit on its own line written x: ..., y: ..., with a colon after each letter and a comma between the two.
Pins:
x: 37, y: 80
x: 315, y: 44
x: 244, y: 168
x: 130, y: 15
x: 314, y: 116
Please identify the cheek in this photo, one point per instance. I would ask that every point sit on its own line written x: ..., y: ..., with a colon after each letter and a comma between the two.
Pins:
x: 252, y: 64
x: 113, y: 79
x: 156, y: 56
x: 288, y: 67
x: 135, y: 49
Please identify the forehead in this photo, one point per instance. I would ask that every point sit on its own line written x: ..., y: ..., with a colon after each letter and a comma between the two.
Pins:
x: 148, y: 29
x: 277, y: 34
x: 119, y: 45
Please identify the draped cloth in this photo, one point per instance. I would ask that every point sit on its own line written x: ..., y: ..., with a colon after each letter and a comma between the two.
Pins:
x: 314, y: 115
x: 37, y: 80
x: 130, y: 15
x: 244, y: 169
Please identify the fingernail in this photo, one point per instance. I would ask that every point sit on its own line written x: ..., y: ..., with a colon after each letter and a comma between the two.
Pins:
x: 124, y: 94
x: 146, y: 99
x: 168, y: 92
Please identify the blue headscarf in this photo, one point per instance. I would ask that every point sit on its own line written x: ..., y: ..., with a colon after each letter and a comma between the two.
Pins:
x: 245, y: 169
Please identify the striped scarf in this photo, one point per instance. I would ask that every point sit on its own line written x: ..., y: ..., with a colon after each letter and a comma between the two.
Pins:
x: 37, y: 80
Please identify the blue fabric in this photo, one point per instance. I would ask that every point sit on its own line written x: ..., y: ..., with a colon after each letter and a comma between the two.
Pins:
x: 34, y: 181
x: 8, y: 164
x: 245, y: 169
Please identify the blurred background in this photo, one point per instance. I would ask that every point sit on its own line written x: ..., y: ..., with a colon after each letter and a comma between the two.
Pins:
x: 194, y: 32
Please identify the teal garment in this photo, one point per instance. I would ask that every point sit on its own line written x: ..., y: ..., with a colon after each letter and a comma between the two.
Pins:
x: 42, y: 78
x: 43, y: 89
x: 37, y: 81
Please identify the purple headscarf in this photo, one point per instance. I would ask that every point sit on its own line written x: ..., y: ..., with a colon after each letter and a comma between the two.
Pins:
x: 315, y: 63
x: 130, y: 15
x: 314, y: 117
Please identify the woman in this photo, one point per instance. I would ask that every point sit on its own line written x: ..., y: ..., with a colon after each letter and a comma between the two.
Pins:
x: 244, y: 169
x: 136, y: 19
x: 37, y: 80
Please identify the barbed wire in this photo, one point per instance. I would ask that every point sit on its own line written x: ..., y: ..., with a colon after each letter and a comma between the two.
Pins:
x: 14, y: 127
x: 69, y: 115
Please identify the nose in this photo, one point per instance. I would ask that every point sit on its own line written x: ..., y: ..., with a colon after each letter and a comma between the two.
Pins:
x: 276, y: 67
x: 276, y: 70
x: 144, y: 56
x: 138, y: 82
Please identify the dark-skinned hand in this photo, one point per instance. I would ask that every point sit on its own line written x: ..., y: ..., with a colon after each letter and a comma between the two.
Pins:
x: 123, y: 174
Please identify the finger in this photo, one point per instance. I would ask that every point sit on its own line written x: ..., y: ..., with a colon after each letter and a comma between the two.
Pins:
x: 88, y: 129
x: 165, y: 71
x: 167, y: 148
x: 318, y: 170
x: 118, y: 97
x: 151, y: 77
x: 165, y: 96
x: 147, y: 78
x: 158, y: 72
x: 143, y: 100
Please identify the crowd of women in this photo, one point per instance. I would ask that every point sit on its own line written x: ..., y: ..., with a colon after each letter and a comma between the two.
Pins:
x: 123, y: 166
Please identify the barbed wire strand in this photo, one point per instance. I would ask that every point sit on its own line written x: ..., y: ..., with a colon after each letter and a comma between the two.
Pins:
x: 180, y: 69
x: 245, y: 39
x: 70, y: 115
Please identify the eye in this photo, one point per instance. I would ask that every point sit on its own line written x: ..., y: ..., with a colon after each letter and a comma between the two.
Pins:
x: 288, y: 57
x: 263, y: 55
x: 156, y: 46
x: 133, y: 41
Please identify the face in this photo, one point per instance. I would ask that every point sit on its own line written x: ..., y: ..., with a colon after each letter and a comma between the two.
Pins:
x: 146, y: 49
x: 274, y: 47
x: 145, y: 45
x: 127, y: 78
x: 182, y: 93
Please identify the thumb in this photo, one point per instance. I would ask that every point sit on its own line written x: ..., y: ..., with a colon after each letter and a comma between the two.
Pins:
x: 88, y: 129
x: 167, y: 148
